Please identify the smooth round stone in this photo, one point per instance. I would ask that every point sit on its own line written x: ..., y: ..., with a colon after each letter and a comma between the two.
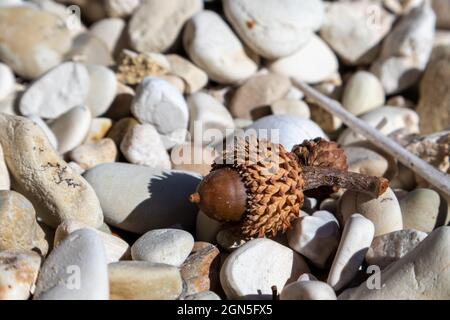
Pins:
x: 90, y: 155
x: 347, y: 29
x: 143, y: 280
x: 401, y: 61
x: 308, y: 290
x: 102, y: 90
x: 250, y: 272
x: 210, y: 121
x: 56, y: 92
x: 75, y: 270
x: 213, y: 46
x: 5, y: 180
x: 98, y: 130
x: 115, y: 248
x: 356, y: 238
x: 71, y: 128
x: 89, y: 49
x: 258, y: 91
x: 387, y: 119
x: 391, y: 247
x: 18, y: 273
x: 193, y: 157
x: 272, y: 28
x: 207, y: 228
x: 421, y: 274
x: 313, y: 63
x: 175, y: 81
x: 48, y: 132
x: 160, y: 104
x: 206, y: 295
x: 286, y: 129
x: 363, y: 93
x: 109, y: 31
x: 291, y: 107
x: 167, y: 246
x: 7, y: 81
x: 153, y: 199
x: 316, y: 237
x: 421, y: 210
x: 142, y: 145
x: 38, y: 170
x: 19, y: 229
x: 194, y: 77
x: 366, y: 161
x: 32, y: 41
x: 384, y: 212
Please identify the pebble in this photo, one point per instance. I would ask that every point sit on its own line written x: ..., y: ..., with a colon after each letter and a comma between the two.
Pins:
x: 316, y: 237
x: 313, y: 63
x: 387, y: 120
x: 115, y: 248
x: 210, y: 121
x: 8, y: 105
x: 75, y: 270
x: 363, y: 93
x: 286, y: 129
x: 193, y: 157
x: 56, y: 92
x: 88, y: 49
x: 391, y: 247
x: 47, y: 131
x: 33, y: 41
x: 37, y: 170
x: 71, y: 128
x: 18, y: 273
x: 194, y: 77
x: 384, y: 212
x: 434, y: 106
x: 200, y: 271
x: 442, y: 9
x: 175, y: 81
x: 291, y: 107
x: 153, y: 199
x: 308, y: 290
x: 207, y: 228
x: 356, y: 238
x: 142, y: 145
x: 160, y: 104
x: 348, y: 28
x: 273, y: 29
x: 110, y: 31
x: 155, y: 25
x: 142, y: 280
x: 230, y: 239
x: 7, y: 81
x: 421, y: 210
x: 421, y: 274
x: 250, y: 272
x: 406, y: 50
x: 120, y: 129
x: 121, y: 106
x: 90, y: 155
x: 19, y: 229
x: 166, y: 246
x: 5, y: 180
x: 102, y: 91
x: 365, y: 161
x: 98, y: 130
x: 258, y: 91
x: 205, y: 295
x: 213, y: 47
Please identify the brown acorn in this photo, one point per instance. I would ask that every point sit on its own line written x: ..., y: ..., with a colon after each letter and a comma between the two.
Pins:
x: 259, y: 186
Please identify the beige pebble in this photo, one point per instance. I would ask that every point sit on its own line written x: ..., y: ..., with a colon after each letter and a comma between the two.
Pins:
x: 90, y: 155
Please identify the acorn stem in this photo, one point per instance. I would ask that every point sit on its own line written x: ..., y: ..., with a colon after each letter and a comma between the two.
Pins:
x: 315, y: 177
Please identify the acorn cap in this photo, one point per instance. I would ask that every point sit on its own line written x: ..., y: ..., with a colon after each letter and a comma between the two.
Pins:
x: 273, y: 180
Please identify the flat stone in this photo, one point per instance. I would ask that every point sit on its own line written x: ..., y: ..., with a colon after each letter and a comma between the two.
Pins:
x: 33, y: 41
x: 356, y: 239
x: 18, y: 273
x: 308, y: 290
x: 273, y: 29
x: 56, y: 92
x: 102, y: 91
x: 153, y: 199
x: 213, y: 46
x: 250, y: 272
x: 75, y: 270
x: 391, y: 247
x: 7, y: 81
x: 91, y: 155
x: 194, y: 77
x: 37, y: 170
x: 166, y: 246
x: 142, y: 280
x: 421, y: 274
x: 19, y: 229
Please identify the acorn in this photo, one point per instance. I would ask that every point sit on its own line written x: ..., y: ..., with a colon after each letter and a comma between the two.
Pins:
x: 259, y: 185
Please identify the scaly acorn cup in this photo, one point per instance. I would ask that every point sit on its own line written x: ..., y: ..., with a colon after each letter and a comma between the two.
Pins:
x: 259, y: 186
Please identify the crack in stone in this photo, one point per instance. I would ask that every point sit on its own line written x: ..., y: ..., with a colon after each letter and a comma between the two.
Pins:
x: 60, y: 172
